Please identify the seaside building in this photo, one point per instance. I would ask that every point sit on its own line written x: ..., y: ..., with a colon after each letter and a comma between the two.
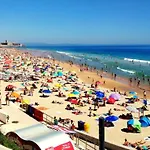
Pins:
x: 10, y: 44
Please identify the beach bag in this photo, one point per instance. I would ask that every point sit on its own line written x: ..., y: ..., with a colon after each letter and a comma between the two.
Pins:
x: 81, y: 125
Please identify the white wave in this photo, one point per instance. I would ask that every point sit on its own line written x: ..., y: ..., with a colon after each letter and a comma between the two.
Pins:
x: 137, y: 60
x: 62, y: 53
x: 89, y: 59
x: 68, y: 54
x: 124, y: 70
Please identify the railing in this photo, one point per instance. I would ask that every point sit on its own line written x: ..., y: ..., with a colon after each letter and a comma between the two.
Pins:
x: 83, y: 140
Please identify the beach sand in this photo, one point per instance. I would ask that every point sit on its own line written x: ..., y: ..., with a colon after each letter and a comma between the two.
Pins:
x: 113, y: 134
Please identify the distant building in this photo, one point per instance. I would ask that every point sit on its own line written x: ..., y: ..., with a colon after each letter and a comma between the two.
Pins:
x: 10, y: 44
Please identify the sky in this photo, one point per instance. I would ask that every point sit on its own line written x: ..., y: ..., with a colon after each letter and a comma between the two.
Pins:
x: 75, y: 21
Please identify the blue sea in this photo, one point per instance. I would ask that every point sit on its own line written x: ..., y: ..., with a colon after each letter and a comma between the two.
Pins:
x: 124, y: 60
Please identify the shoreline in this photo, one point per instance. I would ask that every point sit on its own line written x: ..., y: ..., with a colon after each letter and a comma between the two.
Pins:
x: 107, y: 76
x: 86, y: 77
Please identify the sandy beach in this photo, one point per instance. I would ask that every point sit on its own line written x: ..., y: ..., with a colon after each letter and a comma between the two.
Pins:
x: 84, y: 80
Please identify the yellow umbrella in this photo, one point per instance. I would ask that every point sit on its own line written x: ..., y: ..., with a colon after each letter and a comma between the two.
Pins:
x: 14, y: 94
x: 25, y: 101
x: 72, y: 95
x: 58, y: 85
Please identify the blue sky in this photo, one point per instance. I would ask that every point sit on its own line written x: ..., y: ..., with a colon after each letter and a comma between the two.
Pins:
x: 76, y: 21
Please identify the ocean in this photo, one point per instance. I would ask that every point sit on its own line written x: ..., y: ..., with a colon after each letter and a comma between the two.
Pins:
x: 124, y: 60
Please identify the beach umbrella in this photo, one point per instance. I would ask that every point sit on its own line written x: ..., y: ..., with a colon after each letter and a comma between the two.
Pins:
x: 132, y: 109
x: 58, y: 85
x: 98, y: 82
x: 9, y: 87
x: 115, y: 96
x: 72, y: 95
x: 25, y: 101
x: 55, y: 74
x: 132, y: 93
x: 135, y: 124
x: 111, y: 100
x: 8, y: 61
x: 46, y: 92
x: 145, y: 121
x: 100, y: 94
x: 111, y: 118
x: 90, y: 92
x: 75, y: 92
x: 14, y: 94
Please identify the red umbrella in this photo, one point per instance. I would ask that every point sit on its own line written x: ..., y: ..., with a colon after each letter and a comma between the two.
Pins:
x: 7, y: 61
x: 111, y: 100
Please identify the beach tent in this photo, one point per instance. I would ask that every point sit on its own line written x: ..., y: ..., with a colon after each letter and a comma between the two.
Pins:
x: 115, y: 96
x: 99, y: 94
x: 111, y: 118
x: 145, y: 121
x: 111, y: 100
x: 135, y: 124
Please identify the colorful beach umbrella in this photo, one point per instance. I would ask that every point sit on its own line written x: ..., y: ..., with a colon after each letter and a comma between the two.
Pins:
x: 115, y: 96
x: 111, y: 118
x: 135, y: 124
x: 72, y: 95
x: 58, y: 85
x: 100, y: 94
x: 132, y: 93
x: 75, y: 92
x: 14, y: 94
x: 132, y: 109
x: 25, y: 101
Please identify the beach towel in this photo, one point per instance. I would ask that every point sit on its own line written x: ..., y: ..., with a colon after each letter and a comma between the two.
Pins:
x: 38, y: 115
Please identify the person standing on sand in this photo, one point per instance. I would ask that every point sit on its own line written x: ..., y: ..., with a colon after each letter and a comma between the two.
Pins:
x: 138, y: 83
x: 144, y: 94
x: 115, y: 76
x: 7, y: 99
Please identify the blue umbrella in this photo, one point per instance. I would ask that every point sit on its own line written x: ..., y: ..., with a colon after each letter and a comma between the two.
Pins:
x: 135, y: 96
x: 99, y: 94
x: 132, y: 92
x: 111, y: 118
x: 46, y: 91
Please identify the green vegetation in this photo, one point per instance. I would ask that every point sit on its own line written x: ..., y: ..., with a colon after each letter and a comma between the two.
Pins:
x: 8, y: 143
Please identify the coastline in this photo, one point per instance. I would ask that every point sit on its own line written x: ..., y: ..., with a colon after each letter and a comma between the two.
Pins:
x: 58, y: 110
x: 121, y: 83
